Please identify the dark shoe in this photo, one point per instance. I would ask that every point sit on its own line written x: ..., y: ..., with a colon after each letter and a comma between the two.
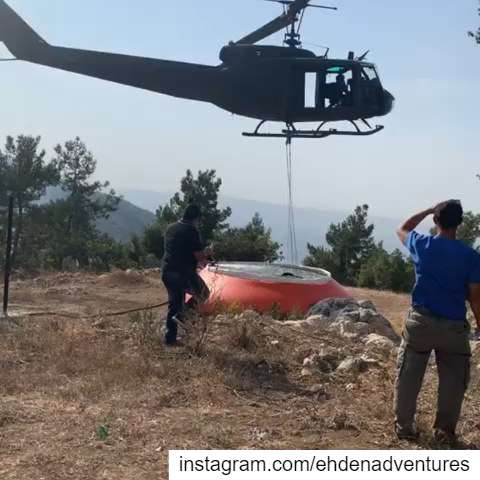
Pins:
x: 407, y: 433
x: 444, y: 437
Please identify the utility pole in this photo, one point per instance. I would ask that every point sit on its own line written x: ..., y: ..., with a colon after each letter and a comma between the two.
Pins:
x: 8, y: 253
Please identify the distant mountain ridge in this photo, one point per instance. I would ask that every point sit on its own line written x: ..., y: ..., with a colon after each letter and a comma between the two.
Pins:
x: 311, y: 224
x: 126, y: 221
x: 136, y: 212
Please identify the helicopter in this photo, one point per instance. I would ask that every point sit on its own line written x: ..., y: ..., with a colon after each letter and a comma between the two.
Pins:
x: 287, y: 84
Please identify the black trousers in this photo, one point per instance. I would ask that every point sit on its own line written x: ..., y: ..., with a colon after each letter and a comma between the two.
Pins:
x: 178, y: 284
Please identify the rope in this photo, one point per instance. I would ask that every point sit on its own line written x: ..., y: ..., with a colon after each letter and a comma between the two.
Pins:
x: 8, y: 59
x: 292, y: 235
x: 90, y: 317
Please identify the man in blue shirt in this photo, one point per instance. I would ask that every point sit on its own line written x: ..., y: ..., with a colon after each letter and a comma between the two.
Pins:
x: 447, y: 276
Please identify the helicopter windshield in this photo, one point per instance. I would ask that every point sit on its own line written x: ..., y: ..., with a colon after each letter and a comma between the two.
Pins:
x: 370, y: 87
x: 340, y: 86
x: 369, y: 73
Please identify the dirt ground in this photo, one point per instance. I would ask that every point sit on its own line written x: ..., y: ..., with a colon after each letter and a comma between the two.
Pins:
x: 100, y: 398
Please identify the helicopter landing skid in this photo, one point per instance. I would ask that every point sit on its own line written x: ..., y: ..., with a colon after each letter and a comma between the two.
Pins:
x: 292, y: 132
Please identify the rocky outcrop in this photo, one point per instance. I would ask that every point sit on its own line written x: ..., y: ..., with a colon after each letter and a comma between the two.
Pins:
x: 354, y: 337
x: 374, y: 339
x: 351, y: 318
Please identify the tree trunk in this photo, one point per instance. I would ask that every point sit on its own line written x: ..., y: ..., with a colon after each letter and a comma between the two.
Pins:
x: 18, y: 231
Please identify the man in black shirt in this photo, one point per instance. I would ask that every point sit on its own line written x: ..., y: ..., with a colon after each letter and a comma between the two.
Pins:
x: 184, y: 251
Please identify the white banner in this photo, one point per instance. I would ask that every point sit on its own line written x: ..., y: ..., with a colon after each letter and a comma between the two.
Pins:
x: 303, y: 465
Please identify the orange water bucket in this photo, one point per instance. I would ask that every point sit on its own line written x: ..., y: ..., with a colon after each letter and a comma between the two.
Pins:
x: 265, y: 287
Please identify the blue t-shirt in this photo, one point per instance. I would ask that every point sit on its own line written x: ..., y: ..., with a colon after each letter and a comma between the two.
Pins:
x: 444, y: 270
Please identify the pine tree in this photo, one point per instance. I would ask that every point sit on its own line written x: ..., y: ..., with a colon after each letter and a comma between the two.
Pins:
x: 85, y: 202
x: 25, y: 174
x: 476, y: 34
x: 351, y: 242
x: 202, y: 191
x: 253, y: 243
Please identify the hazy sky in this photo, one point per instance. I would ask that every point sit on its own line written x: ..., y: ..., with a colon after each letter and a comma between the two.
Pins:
x: 428, y: 152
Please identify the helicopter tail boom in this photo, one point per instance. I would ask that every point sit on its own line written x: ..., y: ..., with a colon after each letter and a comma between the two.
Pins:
x: 17, y: 35
x: 178, y: 79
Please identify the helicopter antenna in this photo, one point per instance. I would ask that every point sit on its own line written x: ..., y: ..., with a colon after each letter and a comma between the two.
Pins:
x: 363, y: 57
x: 327, y: 49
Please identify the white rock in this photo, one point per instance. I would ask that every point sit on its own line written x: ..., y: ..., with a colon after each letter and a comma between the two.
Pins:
x: 380, y: 344
x: 293, y: 323
x: 369, y: 361
x: 325, y: 361
x: 308, y: 361
x: 353, y: 364
x: 350, y: 329
x: 318, y: 389
x: 222, y: 319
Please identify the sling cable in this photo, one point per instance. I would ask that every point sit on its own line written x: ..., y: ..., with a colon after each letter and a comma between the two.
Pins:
x: 292, y: 235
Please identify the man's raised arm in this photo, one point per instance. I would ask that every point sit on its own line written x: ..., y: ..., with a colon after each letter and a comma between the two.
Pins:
x: 412, y: 223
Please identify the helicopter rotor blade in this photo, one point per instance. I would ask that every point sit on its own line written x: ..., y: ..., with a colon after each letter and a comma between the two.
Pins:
x: 284, y: 20
x: 289, y: 2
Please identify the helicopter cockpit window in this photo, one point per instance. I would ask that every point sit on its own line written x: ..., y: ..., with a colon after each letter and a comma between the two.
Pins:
x: 369, y: 74
x: 338, y: 88
x: 370, y: 87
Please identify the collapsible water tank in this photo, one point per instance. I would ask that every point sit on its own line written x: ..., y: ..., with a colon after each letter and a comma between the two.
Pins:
x: 264, y: 287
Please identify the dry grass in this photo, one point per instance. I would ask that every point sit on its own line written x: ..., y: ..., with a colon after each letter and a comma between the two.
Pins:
x: 105, y: 399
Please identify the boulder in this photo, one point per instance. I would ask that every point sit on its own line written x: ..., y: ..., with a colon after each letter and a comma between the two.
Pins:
x: 350, y: 318
x: 330, y: 306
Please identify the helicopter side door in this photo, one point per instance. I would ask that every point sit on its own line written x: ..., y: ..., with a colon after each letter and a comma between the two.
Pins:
x: 337, y: 88
x: 323, y: 92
